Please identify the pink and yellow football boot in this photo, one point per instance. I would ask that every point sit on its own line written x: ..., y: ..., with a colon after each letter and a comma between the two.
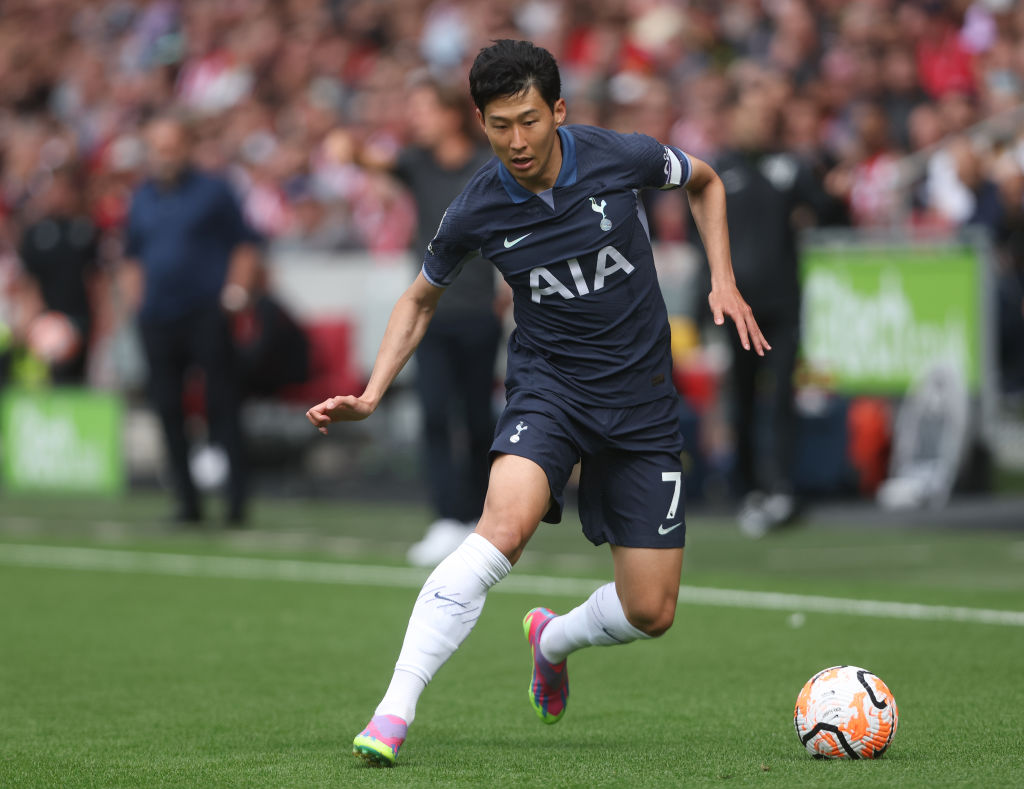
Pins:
x: 379, y: 742
x: 549, y: 686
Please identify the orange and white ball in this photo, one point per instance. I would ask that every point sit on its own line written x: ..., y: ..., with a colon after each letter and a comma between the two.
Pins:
x: 845, y: 712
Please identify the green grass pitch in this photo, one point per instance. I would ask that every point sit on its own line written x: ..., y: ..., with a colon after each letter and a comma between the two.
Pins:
x: 138, y: 679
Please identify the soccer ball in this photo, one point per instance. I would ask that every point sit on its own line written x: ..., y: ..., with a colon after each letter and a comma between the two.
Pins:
x: 845, y: 712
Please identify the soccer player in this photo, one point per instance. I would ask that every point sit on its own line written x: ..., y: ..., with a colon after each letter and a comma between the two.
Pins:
x: 588, y: 379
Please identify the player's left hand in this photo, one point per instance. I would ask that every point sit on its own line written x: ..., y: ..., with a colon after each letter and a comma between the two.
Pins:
x: 728, y: 301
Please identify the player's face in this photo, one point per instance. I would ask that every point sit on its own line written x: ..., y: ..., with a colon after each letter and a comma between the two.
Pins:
x: 523, y: 131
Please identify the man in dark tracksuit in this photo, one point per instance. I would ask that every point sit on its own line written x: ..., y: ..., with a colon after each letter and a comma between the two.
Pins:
x: 198, y: 261
x: 455, y: 360
x: 59, y: 252
x: 764, y: 189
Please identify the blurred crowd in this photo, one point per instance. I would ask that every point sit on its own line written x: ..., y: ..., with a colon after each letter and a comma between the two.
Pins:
x: 295, y: 99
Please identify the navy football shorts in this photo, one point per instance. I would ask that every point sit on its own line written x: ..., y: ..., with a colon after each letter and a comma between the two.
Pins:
x: 631, y: 477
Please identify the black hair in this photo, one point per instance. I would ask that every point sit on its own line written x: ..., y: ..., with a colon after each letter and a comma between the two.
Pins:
x: 511, y: 68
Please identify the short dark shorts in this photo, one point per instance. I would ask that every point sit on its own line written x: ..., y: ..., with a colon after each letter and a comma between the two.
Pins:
x: 631, y: 478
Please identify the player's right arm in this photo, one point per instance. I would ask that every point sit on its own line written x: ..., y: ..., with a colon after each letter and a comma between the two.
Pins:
x: 659, y: 166
x: 406, y: 327
x: 706, y: 194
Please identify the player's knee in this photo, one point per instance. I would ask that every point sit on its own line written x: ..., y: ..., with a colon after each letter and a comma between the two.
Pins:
x: 653, y: 617
x: 504, y: 533
x: 510, y: 542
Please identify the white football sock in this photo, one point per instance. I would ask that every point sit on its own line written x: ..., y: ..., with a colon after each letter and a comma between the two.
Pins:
x: 600, y: 621
x: 403, y: 693
x: 448, y: 606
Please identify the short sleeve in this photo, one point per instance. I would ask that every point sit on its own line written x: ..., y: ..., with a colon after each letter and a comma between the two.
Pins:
x: 449, y: 250
x: 655, y: 165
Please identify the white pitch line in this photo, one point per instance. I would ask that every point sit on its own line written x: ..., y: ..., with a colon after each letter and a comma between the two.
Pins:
x: 236, y: 567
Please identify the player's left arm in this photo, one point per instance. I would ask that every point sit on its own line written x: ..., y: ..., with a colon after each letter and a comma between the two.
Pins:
x: 707, y: 202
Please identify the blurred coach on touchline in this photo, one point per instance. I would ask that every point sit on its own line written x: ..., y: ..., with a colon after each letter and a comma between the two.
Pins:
x: 198, y: 262
x: 770, y: 193
x: 456, y: 357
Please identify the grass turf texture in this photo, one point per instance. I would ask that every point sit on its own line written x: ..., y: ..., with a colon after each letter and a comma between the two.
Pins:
x: 113, y: 679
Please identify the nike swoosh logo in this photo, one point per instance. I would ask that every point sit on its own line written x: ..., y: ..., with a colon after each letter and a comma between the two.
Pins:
x: 663, y: 530
x: 514, y: 241
x: 440, y: 596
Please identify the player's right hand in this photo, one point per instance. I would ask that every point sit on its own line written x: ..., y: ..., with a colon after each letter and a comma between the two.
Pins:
x: 344, y: 408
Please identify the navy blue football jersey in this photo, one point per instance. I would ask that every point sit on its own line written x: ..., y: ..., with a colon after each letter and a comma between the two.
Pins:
x: 591, y: 323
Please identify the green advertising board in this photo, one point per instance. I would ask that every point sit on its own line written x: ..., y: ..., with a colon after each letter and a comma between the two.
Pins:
x: 876, y: 317
x: 60, y: 441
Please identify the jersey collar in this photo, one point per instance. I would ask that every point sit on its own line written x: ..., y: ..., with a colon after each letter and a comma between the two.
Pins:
x: 566, y: 175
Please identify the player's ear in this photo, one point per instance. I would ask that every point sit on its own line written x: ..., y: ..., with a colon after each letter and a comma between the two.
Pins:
x: 480, y: 118
x: 559, y: 112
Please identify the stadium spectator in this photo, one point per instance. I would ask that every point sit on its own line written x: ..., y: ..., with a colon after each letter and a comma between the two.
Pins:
x: 868, y: 176
x: 198, y: 262
x: 944, y: 59
x: 966, y: 195
x: 901, y: 93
